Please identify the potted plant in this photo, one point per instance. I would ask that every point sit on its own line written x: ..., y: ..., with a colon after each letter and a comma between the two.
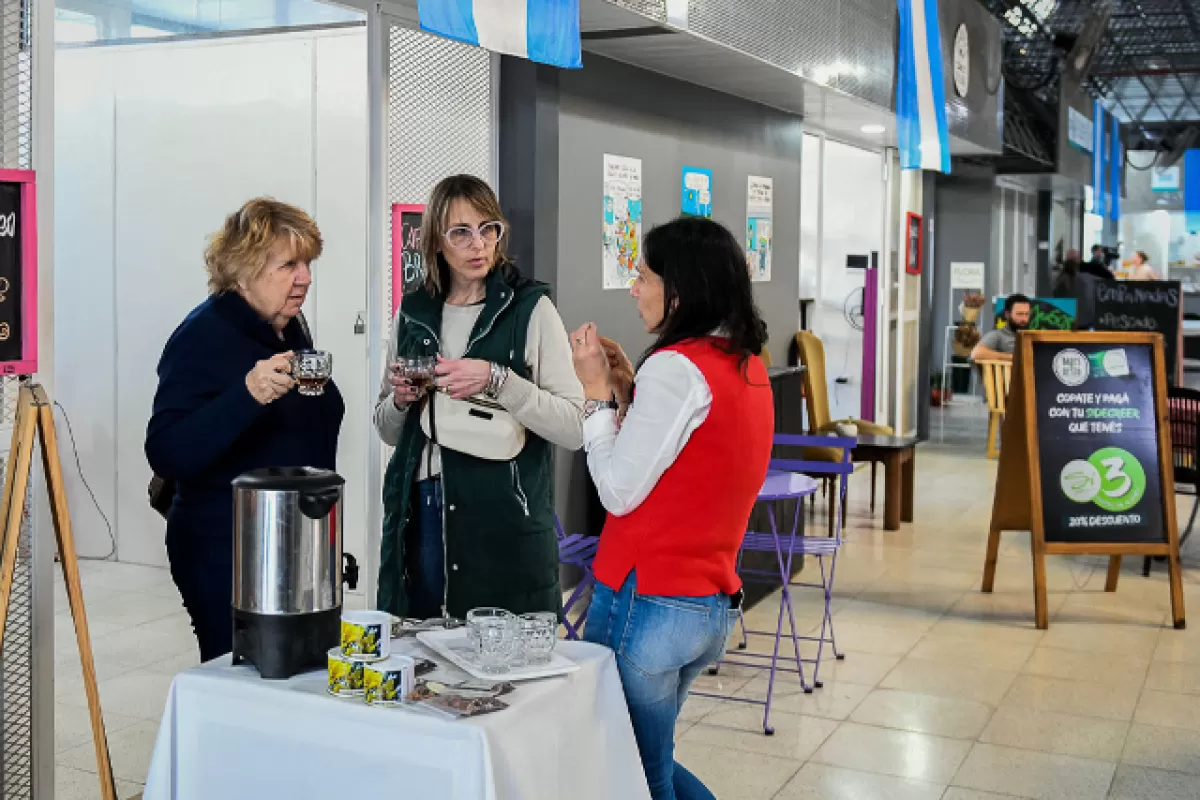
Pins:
x: 966, y: 336
x: 937, y: 395
x: 971, y: 304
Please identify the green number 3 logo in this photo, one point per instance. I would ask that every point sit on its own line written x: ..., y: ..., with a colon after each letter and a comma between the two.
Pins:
x: 1122, y: 481
x: 1114, y: 472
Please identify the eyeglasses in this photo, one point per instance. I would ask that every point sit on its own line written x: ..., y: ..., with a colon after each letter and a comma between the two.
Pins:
x: 463, y: 236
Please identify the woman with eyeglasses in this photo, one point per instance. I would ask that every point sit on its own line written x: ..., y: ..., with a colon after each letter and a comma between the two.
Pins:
x: 463, y: 526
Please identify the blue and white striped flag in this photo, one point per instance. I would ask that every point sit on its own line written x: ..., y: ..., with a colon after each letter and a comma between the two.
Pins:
x: 546, y: 31
x: 921, y: 89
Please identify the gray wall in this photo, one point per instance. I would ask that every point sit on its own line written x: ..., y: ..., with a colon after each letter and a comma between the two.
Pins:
x: 975, y: 117
x: 1139, y: 196
x: 608, y: 107
x: 965, y: 222
x: 1073, y: 163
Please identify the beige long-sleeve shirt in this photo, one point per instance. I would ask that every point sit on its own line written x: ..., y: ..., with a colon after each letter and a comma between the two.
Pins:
x: 550, y: 405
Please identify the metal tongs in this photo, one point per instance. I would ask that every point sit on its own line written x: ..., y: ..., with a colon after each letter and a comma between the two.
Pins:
x: 409, y: 626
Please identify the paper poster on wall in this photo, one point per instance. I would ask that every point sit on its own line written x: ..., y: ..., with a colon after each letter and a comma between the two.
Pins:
x: 759, y: 208
x: 966, y: 275
x: 696, y: 197
x: 622, y: 219
x: 1166, y: 179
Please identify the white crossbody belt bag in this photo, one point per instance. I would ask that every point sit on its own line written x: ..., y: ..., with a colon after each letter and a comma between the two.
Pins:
x: 476, y: 426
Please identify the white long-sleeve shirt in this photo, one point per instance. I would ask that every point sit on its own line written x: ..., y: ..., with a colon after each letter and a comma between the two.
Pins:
x: 672, y: 400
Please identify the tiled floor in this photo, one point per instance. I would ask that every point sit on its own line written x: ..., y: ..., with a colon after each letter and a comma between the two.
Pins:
x: 945, y: 692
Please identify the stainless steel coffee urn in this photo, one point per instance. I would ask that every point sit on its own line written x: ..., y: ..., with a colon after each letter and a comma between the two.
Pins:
x: 288, y: 568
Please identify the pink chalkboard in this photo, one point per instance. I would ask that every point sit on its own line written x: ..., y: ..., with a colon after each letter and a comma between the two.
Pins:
x: 407, y: 269
x: 18, y: 272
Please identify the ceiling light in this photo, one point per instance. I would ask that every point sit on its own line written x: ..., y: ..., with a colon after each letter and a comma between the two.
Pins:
x: 873, y: 128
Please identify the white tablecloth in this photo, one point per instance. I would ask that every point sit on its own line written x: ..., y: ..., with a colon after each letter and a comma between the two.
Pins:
x: 228, y: 734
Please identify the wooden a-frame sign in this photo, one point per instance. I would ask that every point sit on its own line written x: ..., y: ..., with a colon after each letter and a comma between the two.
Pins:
x: 35, y: 417
x: 1018, y: 504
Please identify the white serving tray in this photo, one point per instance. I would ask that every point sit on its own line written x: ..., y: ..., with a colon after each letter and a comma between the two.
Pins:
x: 454, y: 646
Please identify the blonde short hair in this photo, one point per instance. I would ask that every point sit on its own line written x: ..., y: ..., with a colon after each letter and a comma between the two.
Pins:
x: 238, y: 252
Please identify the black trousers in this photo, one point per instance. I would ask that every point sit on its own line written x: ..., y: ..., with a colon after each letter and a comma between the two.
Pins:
x: 203, y: 572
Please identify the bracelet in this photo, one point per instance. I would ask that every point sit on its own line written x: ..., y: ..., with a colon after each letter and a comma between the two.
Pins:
x: 497, y: 380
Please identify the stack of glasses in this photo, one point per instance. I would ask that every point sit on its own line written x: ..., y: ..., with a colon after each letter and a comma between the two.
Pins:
x: 504, y: 641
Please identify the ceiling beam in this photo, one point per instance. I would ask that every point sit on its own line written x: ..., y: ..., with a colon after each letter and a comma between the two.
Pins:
x: 1193, y: 18
x: 1133, y: 73
x: 1170, y: 61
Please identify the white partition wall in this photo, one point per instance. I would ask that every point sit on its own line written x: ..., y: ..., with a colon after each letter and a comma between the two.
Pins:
x: 158, y: 142
x: 841, y: 215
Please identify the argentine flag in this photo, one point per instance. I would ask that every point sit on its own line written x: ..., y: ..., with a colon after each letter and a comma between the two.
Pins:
x: 921, y: 130
x: 546, y: 31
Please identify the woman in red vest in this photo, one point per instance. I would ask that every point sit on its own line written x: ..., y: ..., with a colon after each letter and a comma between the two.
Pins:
x: 678, y: 466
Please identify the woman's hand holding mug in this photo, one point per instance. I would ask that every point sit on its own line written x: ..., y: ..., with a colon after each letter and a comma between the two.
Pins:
x: 462, y: 377
x: 271, y: 378
x: 404, y: 393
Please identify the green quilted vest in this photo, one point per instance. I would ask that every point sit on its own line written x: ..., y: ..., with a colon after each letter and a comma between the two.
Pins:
x: 500, y: 540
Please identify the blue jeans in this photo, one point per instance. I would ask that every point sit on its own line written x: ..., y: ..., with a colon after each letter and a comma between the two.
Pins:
x: 662, y: 644
x: 427, y: 553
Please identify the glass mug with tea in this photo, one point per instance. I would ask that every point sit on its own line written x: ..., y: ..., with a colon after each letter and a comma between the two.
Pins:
x: 311, y: 370
x: 419, y: 371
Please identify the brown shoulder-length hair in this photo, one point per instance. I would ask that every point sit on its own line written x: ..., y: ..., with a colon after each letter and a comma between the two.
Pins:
x: 435, y: 222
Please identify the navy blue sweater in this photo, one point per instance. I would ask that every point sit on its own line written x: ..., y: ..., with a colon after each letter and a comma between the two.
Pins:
x: 206, y: 428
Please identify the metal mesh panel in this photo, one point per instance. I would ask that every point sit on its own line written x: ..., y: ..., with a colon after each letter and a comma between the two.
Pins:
x: 439, y: 119
x: 845, y: 44
x: 16, y: 667
x: 654, y: 9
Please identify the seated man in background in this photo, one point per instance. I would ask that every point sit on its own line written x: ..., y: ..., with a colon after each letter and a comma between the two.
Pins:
x: 998, y: 344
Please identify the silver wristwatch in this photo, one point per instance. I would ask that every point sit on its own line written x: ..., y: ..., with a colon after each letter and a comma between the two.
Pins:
x: 592, y: 406
x: 496, y: 381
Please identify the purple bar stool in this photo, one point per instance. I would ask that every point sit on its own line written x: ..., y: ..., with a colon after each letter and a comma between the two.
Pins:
x: 784, y: 482
x: 577, y: 550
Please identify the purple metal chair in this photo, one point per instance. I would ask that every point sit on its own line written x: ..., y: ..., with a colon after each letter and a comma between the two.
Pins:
x: 579, y: 551
x: 784, y: 482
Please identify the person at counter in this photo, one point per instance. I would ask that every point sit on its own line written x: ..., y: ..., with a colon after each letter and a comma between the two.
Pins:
x: 998, y: 344
x: 678, y: 475
x: 1068, y: 275
x: 1141, y: 269
x: 462, y: 527
x: 1098, y: 266
x: 225, y: 405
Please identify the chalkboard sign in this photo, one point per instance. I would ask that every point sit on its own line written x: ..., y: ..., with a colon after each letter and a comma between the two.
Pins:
x: 1154, y: 306
x: 1098, y: 443
x: 407, y: 270
x: 18, y: 273
x: 1085, y: 456
x: 11, y: 277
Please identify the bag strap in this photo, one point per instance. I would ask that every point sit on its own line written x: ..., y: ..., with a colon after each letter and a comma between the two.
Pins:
x: 431, y: 398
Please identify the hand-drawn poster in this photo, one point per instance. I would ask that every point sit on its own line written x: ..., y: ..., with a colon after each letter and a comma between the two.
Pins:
x: 622, y: 219
x: 760, y: 202
x: 696, y: 194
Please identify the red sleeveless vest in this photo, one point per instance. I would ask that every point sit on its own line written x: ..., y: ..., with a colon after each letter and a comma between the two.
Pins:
x: 684, y: 538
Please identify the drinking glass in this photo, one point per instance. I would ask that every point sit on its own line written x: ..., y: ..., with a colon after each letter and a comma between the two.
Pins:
x: 419, y: 371
x: 539, y: 633
x: 312, y: 369
x: 493, y: 634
